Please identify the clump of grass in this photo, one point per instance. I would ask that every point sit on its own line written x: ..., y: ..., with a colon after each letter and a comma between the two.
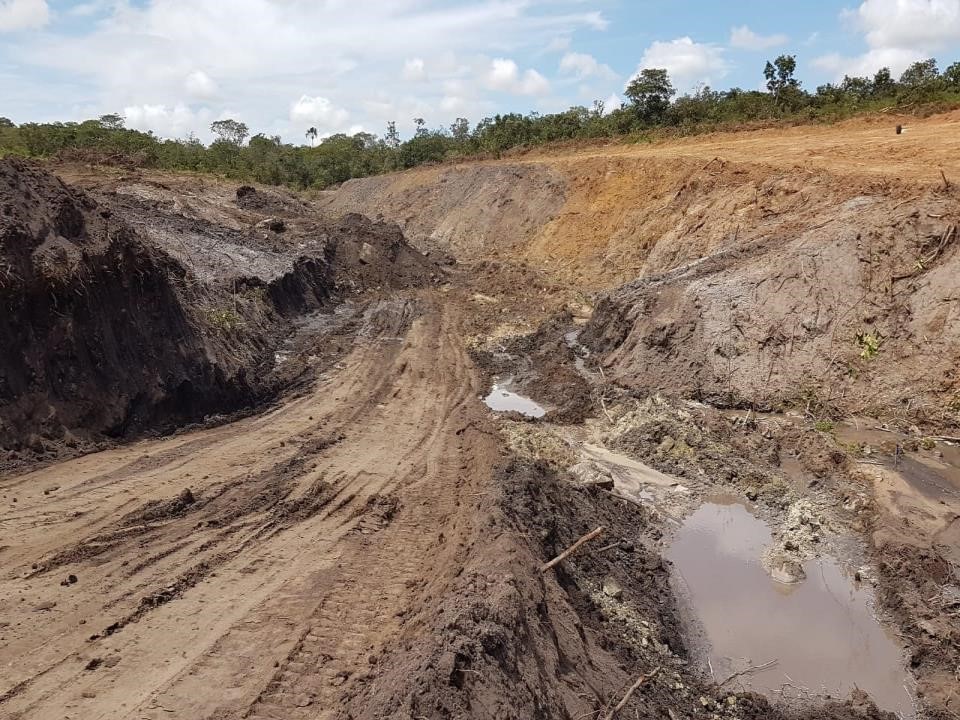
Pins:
x: 224, y: 319
x: 869, y: 343
x: 824, y: 426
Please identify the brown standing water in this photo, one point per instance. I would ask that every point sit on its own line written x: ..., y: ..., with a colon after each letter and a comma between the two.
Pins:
x: 820, y: 635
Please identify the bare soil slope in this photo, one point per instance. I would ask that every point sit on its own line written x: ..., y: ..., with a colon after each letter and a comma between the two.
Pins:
x: 122, y: 314
x: 751, y: 262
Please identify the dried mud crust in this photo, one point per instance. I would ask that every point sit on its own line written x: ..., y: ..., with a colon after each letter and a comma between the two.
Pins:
x: 506, y: 641
x: 125, y: 314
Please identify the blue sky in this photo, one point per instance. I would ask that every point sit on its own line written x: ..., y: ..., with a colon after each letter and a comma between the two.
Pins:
x: 281, y: 66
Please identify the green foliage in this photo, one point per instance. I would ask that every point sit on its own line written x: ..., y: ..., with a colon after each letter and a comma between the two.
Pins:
x: 652, y: 111
x: 650, y: 92
x: 224, y: 319
x: 232, y: 132
x: 824, y: 426
x: 869, y: 343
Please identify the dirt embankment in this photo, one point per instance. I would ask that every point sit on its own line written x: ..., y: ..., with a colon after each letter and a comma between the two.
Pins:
x: 124, y: 314
x: 766, y: 281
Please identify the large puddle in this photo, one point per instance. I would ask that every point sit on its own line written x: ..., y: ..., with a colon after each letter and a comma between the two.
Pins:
x: 502, y: 399
x: 815, y: 638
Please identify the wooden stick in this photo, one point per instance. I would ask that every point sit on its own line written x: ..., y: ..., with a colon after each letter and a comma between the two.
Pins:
x: 946, y: 183
x: 566, y: 553
x: 633, y: 688
x: 749, y: 671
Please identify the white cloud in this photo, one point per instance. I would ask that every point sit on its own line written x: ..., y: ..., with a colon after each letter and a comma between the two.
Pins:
x: 176, y: 122
x: 414, y: 70
x: 261, y: 54
x: 23, y: 15
x: 909, y: 24
x: 746, y: 39
x: 504, y: 75
x: 897, y: 33
x: 689, y: 63
x: 199, y: 85
x: 320, y: 112
x: 582, y: 65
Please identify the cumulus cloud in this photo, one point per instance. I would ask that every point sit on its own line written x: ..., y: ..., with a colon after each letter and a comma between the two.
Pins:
x: 23, y: 14
x: 746, y: 39
x: 320, y: 112
x: 504, y: 75
x: 582, y: 65
x: 175, y: 122
x: 897, y: 33
x: 689, y: 63
x: 200, y: 86
x: 414, y: 70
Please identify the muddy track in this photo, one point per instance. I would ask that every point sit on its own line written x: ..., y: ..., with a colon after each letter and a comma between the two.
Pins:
x: 289, y: 563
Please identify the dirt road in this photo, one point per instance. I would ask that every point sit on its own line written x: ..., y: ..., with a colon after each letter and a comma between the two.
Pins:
x: 259, y: 583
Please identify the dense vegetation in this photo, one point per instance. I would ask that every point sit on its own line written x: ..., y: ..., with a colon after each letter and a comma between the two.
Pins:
x: 652, y: 109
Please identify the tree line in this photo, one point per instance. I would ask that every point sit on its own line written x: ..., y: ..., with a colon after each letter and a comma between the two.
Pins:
x: 652, y: 108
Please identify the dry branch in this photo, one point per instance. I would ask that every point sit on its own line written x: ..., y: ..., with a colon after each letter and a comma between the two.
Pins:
x: 748, y: 671
x: 626, y: 698
x: 570, y: 550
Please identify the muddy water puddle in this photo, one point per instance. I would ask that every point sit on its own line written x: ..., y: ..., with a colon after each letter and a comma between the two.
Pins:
x: 502, y: 399
x: 819, y: 636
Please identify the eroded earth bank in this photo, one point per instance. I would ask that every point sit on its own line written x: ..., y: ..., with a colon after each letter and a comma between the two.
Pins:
x: 274, y: 456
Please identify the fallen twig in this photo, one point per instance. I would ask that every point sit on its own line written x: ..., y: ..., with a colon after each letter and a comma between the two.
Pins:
x: 611, y: 546
x: 622, y: 497
x: 626, y: 698
x: 566, y: 553
x: 748, y: 671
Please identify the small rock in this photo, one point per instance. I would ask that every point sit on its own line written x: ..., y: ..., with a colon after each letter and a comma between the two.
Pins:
x: 751, y: 493
x: 788, y: 572
x: 790, y: 546
x: 367, y: 253
x: 612, y: 588
x: 591, y: 474
x: 87, y: 695
x: 303, y: 701
x: 273, y: 224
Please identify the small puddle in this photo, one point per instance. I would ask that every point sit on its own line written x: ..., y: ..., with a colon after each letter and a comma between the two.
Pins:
x: 821, y: 632
x: 501, y: 399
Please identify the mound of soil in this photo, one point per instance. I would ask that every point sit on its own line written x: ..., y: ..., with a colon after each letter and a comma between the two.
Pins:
x: 508, y: 642
x: 848, y: 316
x: 123, y: 316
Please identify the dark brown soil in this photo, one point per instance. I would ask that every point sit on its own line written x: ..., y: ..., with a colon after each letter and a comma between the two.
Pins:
x: 509, y: 642
x: 113, y: 325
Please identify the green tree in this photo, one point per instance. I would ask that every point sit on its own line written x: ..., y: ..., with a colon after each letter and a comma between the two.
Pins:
x: 883, y: 83
x: 779, y: 75
x: 111, y: 121
x: 230, y: 131
x: 922, y: 73
x: 951, y: 76
x: 650, y: 92
x: 393, y: 137
x: 6, y: 123
x: 460, y: 130
x: 312, y: 136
